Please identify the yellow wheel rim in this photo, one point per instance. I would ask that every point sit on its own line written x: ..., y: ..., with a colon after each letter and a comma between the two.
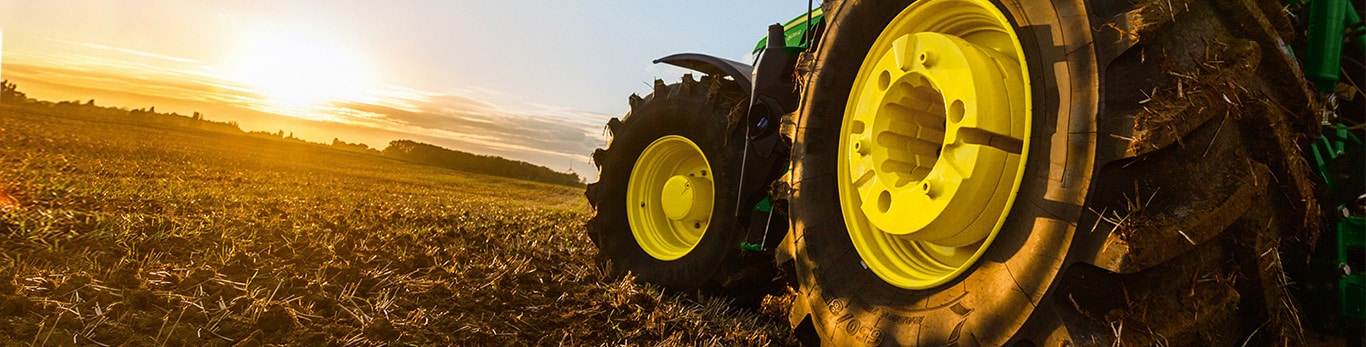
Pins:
x: 669, y: 197
x: 934, y: 141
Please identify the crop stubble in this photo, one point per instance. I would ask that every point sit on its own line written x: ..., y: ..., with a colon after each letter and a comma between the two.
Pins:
x: 125, y: 234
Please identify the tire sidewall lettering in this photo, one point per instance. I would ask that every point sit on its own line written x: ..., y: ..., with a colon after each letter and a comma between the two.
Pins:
x: 859, y: 322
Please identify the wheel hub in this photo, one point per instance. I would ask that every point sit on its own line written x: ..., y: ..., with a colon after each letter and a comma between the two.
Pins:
x: 683, y: 200
x: 933, y: 141
x: 670, y: 197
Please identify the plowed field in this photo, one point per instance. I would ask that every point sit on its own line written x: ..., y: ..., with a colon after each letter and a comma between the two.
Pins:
x: 124, y: 234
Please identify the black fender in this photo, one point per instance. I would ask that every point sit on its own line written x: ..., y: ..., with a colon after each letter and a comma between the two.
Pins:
x: 715, y: 66
x: 770, y: 84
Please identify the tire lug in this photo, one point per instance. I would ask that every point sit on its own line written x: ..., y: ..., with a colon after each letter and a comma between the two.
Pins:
x: 598, y: 155
x: 660, y: 87
x: 614, y: 124
x: 634, y: 100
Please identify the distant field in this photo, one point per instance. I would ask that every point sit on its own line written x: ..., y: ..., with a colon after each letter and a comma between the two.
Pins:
x: 122, y: 234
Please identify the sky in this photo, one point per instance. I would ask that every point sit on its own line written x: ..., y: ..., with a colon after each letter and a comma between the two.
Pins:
x: 526, y: 80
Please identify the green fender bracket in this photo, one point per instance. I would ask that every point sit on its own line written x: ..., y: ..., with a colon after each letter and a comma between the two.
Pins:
x: 1331, y: 145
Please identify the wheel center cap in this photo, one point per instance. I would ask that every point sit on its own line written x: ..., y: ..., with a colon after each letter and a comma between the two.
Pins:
x: 678, y: 197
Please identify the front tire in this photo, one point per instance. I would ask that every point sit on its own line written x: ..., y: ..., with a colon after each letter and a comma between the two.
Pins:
x: 677, y: 140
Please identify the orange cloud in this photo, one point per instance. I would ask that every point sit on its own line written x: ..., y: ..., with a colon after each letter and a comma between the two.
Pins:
x: 556, y: 138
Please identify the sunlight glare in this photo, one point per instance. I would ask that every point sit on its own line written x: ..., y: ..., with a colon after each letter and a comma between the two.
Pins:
x: 298, y: 73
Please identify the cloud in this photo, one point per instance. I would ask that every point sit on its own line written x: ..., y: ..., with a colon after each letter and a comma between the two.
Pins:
x: 559, y: 138
x: 131, y: 52
x: 481, y: 127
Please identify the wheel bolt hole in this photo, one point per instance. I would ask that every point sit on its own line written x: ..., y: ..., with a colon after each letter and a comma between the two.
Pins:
x: 704, y: 173
x: 926, y: 59
x: 956, y: 111
x: 697, y: 225
x: 884, y: 80
x: 884, y: 201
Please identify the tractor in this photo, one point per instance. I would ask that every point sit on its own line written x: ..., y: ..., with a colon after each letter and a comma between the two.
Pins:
x: 1010, y: 172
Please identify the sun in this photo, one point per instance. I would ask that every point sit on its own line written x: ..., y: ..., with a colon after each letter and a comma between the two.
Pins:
x: 299, y: 73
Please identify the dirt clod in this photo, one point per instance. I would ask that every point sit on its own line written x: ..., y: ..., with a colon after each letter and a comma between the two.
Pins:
x: 127, y: 277
x: 71, y: 285
x: 381, y: 329
x: 13, y: 305
x: 277, y: 319
x: 141, y: 299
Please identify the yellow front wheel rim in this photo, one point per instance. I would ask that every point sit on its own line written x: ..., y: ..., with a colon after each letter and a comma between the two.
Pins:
x: 670, y: 197
x: 934, y: 141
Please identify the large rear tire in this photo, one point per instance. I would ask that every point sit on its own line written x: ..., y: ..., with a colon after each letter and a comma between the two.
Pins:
x: 677, y: 141
x: 1051, y: 270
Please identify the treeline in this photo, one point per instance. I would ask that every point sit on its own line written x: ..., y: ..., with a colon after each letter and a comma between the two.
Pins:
x: 11, y: 96
x: 483, y: 164
x: 354, y: 147
x: 406, y: 150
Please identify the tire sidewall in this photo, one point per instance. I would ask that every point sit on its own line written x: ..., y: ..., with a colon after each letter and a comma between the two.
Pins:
x: 851, y: 305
